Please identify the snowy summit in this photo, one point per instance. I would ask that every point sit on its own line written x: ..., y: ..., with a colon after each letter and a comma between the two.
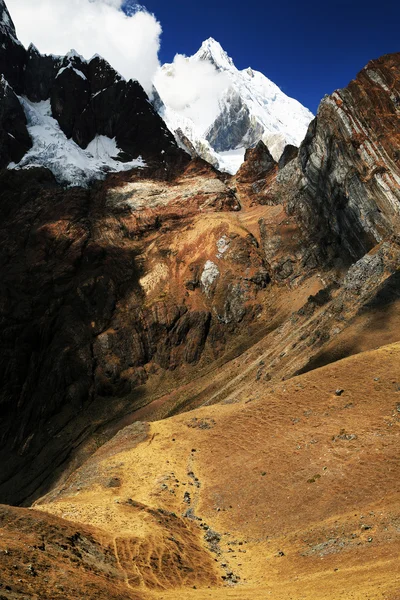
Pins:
x: 222, y: 111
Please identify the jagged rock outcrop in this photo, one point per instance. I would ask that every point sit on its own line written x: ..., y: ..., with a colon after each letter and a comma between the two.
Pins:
x: 12, y: 52
x: 345, y: 187
x: 90, y: 98
x: 14, y: 137
x: 40, y: 74
x: 341, y: 195
x: 257, y: 174
x: 258, y: 164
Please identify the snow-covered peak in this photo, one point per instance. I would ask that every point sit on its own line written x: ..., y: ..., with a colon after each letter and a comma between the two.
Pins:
x: 74, y: 54
x: 223, y: 110
x: 212, y: 51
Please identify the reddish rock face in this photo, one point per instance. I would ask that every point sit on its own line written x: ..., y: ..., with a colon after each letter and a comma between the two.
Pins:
x: 105, y: 289
x: 341, y: 195
x: 258, y: 165
x: 256, y: 174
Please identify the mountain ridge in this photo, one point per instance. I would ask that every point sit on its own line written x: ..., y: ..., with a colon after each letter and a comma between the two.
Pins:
x: 38, y: 78
x: 89, y: 126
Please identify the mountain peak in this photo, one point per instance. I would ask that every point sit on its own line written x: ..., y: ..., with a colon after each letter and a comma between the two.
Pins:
x: 6, y: 22
x: 212, y: 51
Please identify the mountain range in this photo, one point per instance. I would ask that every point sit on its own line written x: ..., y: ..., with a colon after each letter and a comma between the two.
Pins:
x: 199, y: 370
x: 81, y: 141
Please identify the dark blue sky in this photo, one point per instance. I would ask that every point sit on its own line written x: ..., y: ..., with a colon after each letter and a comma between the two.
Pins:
x: 307, y: 48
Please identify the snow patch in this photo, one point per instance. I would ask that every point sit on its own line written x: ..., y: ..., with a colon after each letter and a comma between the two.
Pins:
x: 74, y: 54
x: 81, y: 75
x: 70, y: 164
x: 231, y: 160
x: 209, y: 275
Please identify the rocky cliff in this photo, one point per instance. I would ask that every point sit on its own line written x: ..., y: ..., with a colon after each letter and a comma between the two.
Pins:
x: 341, y: 194
x: 12, y: 55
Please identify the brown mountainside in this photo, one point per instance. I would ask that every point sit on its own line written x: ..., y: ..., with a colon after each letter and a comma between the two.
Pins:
x: 146, y: 290
x: 175, y: 288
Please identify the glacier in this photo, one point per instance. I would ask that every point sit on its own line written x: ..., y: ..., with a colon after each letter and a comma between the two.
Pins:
x: 69, y: 163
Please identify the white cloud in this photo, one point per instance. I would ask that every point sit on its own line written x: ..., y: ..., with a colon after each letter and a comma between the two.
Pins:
x: 193, y: 88
x: 130, y: 44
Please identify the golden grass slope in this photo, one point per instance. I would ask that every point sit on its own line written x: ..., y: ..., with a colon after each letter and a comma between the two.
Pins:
x: 292, y: 492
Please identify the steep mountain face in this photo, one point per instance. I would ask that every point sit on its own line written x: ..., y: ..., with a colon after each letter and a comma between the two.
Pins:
x: 14, y: 137
x: 342, y: 192
x: 250, y: 108
x: 78, y: 118
x: 12, y: 55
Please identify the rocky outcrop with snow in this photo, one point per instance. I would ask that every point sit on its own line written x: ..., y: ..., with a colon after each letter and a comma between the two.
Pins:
x: 250, y: 108
x: 88, y: 102
x: 69, y: 163
x: 79, y: 118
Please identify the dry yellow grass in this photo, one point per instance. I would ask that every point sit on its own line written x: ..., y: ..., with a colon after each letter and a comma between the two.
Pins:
x: 298, y: 486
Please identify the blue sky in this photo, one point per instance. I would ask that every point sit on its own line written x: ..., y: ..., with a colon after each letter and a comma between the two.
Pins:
x: 307, y: 48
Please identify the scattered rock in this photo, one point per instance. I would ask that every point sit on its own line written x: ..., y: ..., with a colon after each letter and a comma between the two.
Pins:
x: 348, y: 437
x: 213, y: 539
x: 197, y: 423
